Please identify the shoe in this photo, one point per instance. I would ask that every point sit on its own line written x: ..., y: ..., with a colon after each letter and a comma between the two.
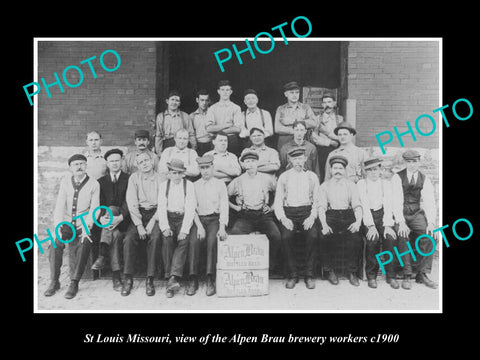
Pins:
x: 52, y: 288
x: 149, y: 286
x: 127, y: 285
x: 290, y: 284
x: 310, y: 282
x: 332, y: 278
x: 169, y: 294
x: 353, y: 279
x: 117, y: 283
x: 211, y: 290
x: 72, y: 290
x: 192, y: 287
x: 173, y: 284
x: 393, y: 283
x: 372, y: 283
x: 423, y: 279
x: 406, y: 284
x: 99, y: 264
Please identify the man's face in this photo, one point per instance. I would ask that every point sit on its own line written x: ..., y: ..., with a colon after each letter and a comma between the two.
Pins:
x: 299, y: 132
x: 251, y: 100
x: 203, y: 101
x: 387, y: 173
x: 176, y: 176
x: 225, y: 92
x: 338, y: 170
x: 292, y: 95
x: 257, y: 138
x: 298, y: 161
x: 141, y: 143
x: 144, y: 163
x: 206, y: 171
x: 345, y: 136
x: 114, y: 163
x: 221, y: 143
x: 78, y: 168
x: 94, y: 141
x: 181, y: 140
x: 412, y: 165
x: 328, y: 104
x: 373, y: 173
x: 250, y: 164
x: 173, y: 102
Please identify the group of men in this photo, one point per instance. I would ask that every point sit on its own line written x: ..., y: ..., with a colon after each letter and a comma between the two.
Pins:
x: 210, y: 174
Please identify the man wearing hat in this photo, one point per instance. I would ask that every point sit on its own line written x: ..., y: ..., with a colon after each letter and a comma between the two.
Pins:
x: 251, y: 190
x: 295, y: 205
x: 113, y: 189
x: 254, y: 117
x: 226, y: 116
x: 176, y: 210
x: 198, y: 118
x: 288, y: 113
x: 142, y: 140
x: 377, y: 204
x: 419, y: 214
x: 78, y: 194
x: 340, y: 214
x: 323, y: 136
x: 169, y: 122
x: 355, y: 155
x: 268, y: 158
x: 142, y: 202
x: 210, y: 221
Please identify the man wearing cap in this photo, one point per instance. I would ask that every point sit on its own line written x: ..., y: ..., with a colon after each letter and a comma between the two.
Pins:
x: 96, y: 166
x: 198, y: 118
x: 254, y: 117
x: 142, y: 140
x: 311, y: 163
x: 113, y: 189
x: 210, y: 221
x: 226, y: 116
x: 225, y: 164
x: 142, y: 202
x: 176, y: 210
x: 268, y: 158
x: 340, y: 214
x: 251, y: 189
x: 355, y: 155
x: 182, y: 152
x: 78, y: 194
x: 169, y: 122
x: 377, y: 205
x: 288, y: 113
x: 295, y: 205
x: 419, y: 214
x: 323, y: 136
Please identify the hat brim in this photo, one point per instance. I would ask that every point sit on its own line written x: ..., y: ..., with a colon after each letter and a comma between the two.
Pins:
x: 176, y: 168
x: 352, y: 130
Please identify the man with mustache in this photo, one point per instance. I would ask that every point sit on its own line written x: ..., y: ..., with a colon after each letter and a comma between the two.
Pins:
x: 142, y: 140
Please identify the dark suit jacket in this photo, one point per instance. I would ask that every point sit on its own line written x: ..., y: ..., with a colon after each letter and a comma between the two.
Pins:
x: 115, y: 195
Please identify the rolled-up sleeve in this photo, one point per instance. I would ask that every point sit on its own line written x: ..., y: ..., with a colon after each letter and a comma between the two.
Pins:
x: 354, y: 197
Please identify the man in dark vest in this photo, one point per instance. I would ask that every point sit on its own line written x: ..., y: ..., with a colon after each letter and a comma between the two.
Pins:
x: 419, y: 216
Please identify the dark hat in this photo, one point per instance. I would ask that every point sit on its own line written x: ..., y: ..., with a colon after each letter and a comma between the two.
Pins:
x: 250, y: 91
x: 112, y: 151
x: 174, y: 93
x: 411, y: 155
x: 256, y: 129
x: 224, y: 83
x: 296, y: 151
x: 291, y: 86
x: 76, y: 157
x: 345, y: 125
x: 302, y: 122
x: 372, y: 162
x: 176, y: 164
x: 205, y: 160
x: 142, y: 134
x: 329, y: 95
x: 340, y: 159
x: 248, y: 154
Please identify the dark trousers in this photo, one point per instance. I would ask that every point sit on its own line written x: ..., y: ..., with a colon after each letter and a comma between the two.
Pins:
x: 418, y: 226
x: 298, y: 216
x: 372, y: 248
x: 323, y: 152
x: 202, y: 148
x: 174, y: 251
x: 339, y: 221
x: 113, y: 239
x: 211, y: 225
x: 132, y: 239
x: 255, y: 220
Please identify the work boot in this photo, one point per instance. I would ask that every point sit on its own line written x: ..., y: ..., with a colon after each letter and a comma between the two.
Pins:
x: 372, y: 283
x: 117, y: 281
x: 127, y: 285
x: 290, y: 284
x: 393, y: 283
x: 406, y: 284
x: 173, y: 284
x: 52, y: 288
x: 72, y: 290
x: 310, y: 282
x: 99, y: 264
x: 211, y: 290
x: 423, y: 279
x: 332, y: 277
x: 149, y: 286
x: 353, y: 279
x: 192, y: 286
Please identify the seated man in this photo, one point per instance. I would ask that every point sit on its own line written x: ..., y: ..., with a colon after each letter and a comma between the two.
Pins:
x: 251, y: 189
x: 225, y: 164
x: 296, y: 207
x: 142, y: 140
x: 340, y: 214
x: 268, y: 159
x: 176, y: 210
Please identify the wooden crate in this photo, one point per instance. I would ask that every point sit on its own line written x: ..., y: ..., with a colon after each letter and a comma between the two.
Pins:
x: 240, y: 252
x: 234, y: 283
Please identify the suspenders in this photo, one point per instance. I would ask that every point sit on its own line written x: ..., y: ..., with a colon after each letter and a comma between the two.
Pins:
x: 245, y: 118
x: 167, y: 190
x: 310, y: 189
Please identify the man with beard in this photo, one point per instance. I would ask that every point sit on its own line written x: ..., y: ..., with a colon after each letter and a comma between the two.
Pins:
x: 142, y: 140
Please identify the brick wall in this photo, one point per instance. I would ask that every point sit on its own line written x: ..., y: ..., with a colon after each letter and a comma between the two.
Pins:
x: 116, y: 103
x: 394, y: 82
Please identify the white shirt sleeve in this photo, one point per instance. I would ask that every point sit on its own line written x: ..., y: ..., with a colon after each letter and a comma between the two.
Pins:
x: 279, y: 194
x: 362, y: 192
x: 190, y: 205
x: 162, y: 208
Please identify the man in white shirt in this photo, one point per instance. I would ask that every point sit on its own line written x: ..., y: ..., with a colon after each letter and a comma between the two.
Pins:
x: 225, y: 164
x: 254, y: 117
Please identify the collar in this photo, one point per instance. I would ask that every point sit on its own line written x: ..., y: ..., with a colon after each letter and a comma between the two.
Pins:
x: 87, y: 153
x: 296, y: 106
x: 409, y: 175
x: 293, y: 143
x: 200, y: 112
x: 226, y: 153
x: 144, y: 176
x: 177, y: 150
x: 263, y: 147
x: 250, y: 111
x: 172, y: 113
x: 81, y: 180
x: 118, y: 175
x: 224, y: 103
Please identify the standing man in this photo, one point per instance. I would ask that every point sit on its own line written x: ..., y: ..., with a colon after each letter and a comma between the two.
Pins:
x: 142, y: 202
x: 142, y: 140
x: 78, y: 194
x: 169, y: 122
x: 323, y: 136
x: 225, y: 164
x: 377, y: 205
x: 176, y: 210
x: 211, y: 219
x: 296, y: 199
x: 96, y: 166
x: 198, y: 118
x: 311, y: 163
x: 113, y: 190
x: 419, y: 217
x: 340, y: 213
x: 288, y: 113
x: 225, y: 116
x: 254, y: 117
x: 268, y: 159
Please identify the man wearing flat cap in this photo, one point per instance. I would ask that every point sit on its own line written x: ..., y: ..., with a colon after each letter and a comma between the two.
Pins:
x: 355, y: 155
x: 377, y: 204
x: 296, y: 207
x: 78, y: 194
x: 142, y: 140
x: 419, y: 215
x: 113, y: 190
x: 254, y: 117
x: 288, y: 113
x: 176, y: 210
x: 268, y: 158
x: 340, y: 214
x: 210, y: 221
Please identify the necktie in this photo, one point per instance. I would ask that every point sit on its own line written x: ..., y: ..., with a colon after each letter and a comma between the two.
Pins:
x: 115, y: 178
x: 412, y: 180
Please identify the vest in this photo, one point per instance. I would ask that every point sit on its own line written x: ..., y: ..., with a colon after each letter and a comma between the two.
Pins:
x: 411, y: 193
